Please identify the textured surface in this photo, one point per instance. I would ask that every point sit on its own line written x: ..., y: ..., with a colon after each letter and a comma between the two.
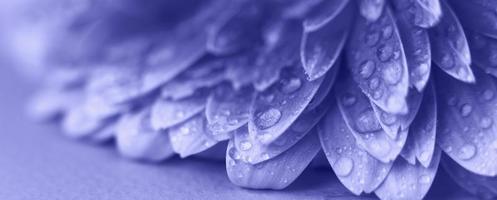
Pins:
x: 37, y: 162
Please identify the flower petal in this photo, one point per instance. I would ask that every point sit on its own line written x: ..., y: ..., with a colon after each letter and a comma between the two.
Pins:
x: 467, y: 131
x: 284, y: 40
x: 276, y: 173
x: 275, y: 109
x: 393, y: 123
x: 406, y: 181
x: 484, y: 51
x: 49, y: 103
x: 239, y: 32
x: 423, y: 129
x: 167, y: 113
x: 362, y: 122
x: 323, y: 13
x: 417, y: 49
x: 355, y: 168
x: 135, y: 138
x: 321, y: 47
x: 483, y: 186
x: 206, y: 73
x: 240, y: 70
x: 325, y: 88
x: 253, y: 151
x: 228, y: 109
x: 424, y: 14
x: 449, y: 46
x: 483, y: 10
x: 376, y: 58
x: 182, y: 46
x: 371, y: 9
x: 191, y: 136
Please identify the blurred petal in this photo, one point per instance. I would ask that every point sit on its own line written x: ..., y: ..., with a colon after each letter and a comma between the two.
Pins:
x: 284, y: 40
x: 449, y: 47
x: 190, y: 137
x: 416, y: 45
x: 135, y: 138
x: 167, y: 113
x: 362, y: 122
x: 484, y: 51
x: 276, y: 173
x: 424, y: 14
x: 378, y: 64
x: 406, y: 181
x: 355, y: 168
x: 321, y: 47
x: 275, y: 109
x: 483, y: 186
x: 371, y: 9
x: 467, y: 131
x: 481, y: 10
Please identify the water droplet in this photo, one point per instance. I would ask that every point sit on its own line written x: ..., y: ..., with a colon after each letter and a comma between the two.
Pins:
x: 233, y: 153
x: 447, y: 61
x: 422, y: 69
x: 466, y: 110
x: 348, y: 99
x: 265, y: 156
x: 372, y: 38
x: 388, y: 119
x: 245, y: 145
x: 377, y: 94
x: 367, y: 68
x: 467, y: 152
x: 343, y: 166
x: 387, y: 32
x: 425, y: 156
x: 366, y: 122
x: 291, y: 85
x: 374, y: 83
x: 424, y: 179
x: 392, y: 73
x: 485, y: 122
x: 487, y: 95
x: 385, y: 52
x: 185, y: 130
x: 268, y: 118
x: 380, y: 147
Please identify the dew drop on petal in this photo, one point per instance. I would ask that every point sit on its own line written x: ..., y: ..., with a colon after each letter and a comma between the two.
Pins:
x: 291, y: 85
x: 245, y: 145
x: 268, y: 118
x: 367, y: 122
x: 385, y: 52
x: 465, y: 110
x: 348, y: 99
x: 424, y: 179
x: 485, y: 122
x: 343, y: 166
x: 487, y: 95
x: 467, y: 152
x: 367, y: 68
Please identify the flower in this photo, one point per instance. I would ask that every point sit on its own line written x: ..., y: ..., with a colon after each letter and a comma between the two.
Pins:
x: 388, y: 90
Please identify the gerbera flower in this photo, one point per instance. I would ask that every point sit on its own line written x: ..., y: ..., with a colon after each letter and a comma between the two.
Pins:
x: 388, y: 90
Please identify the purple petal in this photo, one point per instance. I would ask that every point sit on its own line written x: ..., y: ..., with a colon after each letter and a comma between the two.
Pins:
x: 449, y: 47
x: 478, y: 15
x: 275, y: 109
x: 406, y: 181
x: 424, y: 14
x: 484, y: 51
x: 416, y: 45
x: 323, y: 13
x: 167, y: 113
x: 276, y: 173
x: 137, y: 140
x: 362, y: 122
x: 355, y: 168
x: 371, y: 9
x: 191, y: 137
x: 228, y: 109
x: 378, y: 64
x: 321, y: 47
x: 467, y: 131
